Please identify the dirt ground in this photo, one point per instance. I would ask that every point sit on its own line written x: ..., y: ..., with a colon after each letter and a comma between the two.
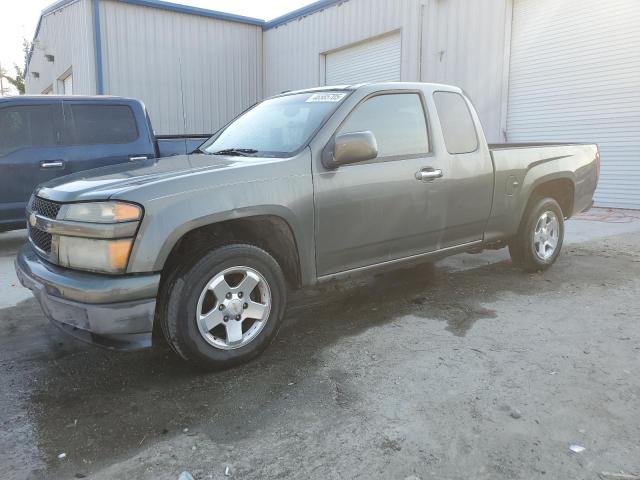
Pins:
x: 468, y: 369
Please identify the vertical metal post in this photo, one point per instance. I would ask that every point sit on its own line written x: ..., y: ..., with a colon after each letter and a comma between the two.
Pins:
x: 98, y: 46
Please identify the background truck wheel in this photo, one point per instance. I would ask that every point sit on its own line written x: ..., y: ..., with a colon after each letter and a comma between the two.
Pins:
x: 223, y: 307
x: 539, y: 240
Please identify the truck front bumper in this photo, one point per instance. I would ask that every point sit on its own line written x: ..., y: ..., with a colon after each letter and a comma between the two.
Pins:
x: 112, y: 312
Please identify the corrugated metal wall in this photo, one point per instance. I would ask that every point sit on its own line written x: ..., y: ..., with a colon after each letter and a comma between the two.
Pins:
x: 451, y: 41
x: 575, y: 77
x: 67, y: 34
x: 166, y: 58
x: 466, y: 43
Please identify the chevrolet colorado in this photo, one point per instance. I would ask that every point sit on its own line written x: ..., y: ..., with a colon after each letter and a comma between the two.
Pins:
x: 304, y: 187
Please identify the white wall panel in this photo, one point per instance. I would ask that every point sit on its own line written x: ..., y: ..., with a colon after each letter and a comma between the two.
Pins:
x: 67, y: 34
x: 575, y: 77
x: 169, y: 59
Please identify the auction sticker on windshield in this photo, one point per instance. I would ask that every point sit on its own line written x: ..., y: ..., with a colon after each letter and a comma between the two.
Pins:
x: 326, y: 97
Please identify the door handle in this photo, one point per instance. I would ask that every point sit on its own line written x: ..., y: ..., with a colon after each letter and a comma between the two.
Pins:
x: 428, y: 174
x: 51, y: 164
x: 139, y: 157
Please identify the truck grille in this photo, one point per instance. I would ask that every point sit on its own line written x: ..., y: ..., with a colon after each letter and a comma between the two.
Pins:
x: 45, y: 208
x: 40, y: 239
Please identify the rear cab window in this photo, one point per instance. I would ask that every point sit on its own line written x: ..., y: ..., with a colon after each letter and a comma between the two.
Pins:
x: 24, y: 126
x: 458, y: 127
x: 398, y: 122
x: 91, y: 124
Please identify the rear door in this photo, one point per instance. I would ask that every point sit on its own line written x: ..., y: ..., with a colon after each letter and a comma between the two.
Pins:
x: 30, y: 153
x: 380, y: 210
x: 469, y: 184
x: 102, y: 133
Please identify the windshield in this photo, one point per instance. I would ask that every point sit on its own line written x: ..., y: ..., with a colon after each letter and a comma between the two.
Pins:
x: 277, y: 127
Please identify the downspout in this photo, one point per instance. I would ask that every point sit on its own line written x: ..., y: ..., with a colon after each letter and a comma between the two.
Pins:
x: 98, y: 43
x: 421, y: 40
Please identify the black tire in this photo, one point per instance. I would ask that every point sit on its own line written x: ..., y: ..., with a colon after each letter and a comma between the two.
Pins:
x: 181, y: 292
x: 522, y: 247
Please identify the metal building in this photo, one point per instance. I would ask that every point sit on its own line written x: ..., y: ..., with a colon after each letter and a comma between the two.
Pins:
x: 537, y: 70
x: 194, y: 69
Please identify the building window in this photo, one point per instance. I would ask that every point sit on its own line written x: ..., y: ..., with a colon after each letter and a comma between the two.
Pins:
x: 65, y: 83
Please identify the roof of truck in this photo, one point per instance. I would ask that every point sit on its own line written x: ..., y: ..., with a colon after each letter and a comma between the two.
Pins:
x: 380, y: 85
x: 48, y: 99
x: 66, y: 97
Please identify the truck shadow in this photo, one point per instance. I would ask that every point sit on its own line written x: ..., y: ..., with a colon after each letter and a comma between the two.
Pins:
x: 96, y: 405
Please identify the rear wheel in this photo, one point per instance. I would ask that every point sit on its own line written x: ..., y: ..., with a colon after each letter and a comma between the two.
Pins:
x: 225, y: 306
x: 539, y: 239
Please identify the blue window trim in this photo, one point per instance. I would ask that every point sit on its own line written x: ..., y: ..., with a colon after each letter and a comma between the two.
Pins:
x: 175, y: 7
x: 300, y: 13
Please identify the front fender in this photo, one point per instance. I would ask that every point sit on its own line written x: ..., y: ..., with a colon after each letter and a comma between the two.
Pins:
x: 279, y: 211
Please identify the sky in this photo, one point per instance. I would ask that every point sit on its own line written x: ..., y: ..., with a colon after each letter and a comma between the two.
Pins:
x: 18, y: 20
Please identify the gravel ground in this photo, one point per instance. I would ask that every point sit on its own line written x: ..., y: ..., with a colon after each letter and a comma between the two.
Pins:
x: 468, y: 369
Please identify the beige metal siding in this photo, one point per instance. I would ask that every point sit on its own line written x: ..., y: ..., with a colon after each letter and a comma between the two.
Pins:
x: 167, y: 58
x: 451, y: 41
x: 67, y: 34
x: 575, y: 77
x: 465, y: 43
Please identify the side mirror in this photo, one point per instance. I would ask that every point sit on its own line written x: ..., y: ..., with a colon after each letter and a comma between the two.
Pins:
x: 350, y: 148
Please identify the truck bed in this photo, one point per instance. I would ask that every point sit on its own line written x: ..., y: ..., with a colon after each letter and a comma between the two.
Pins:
x: 503, y: 146
x: 520, y: 167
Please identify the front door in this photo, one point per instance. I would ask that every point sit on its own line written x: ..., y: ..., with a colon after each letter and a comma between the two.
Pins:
x: 386, y: 208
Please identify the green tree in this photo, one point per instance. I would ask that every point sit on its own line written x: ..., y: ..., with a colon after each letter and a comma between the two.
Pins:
x: 17, y: 81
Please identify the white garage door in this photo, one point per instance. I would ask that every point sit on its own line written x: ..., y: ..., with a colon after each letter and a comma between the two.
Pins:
x: 575, y: 77
x: 376, y: 60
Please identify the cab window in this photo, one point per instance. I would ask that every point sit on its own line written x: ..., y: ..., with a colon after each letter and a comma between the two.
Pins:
x: 397, y: 121
x: 457, y: 124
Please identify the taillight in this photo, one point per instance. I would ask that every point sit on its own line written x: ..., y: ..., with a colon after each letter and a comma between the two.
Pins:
x: 597, y: 164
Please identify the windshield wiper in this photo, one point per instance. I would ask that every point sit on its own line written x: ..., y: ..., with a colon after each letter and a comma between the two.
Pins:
x: 197, y: 150
x: 241, y: 152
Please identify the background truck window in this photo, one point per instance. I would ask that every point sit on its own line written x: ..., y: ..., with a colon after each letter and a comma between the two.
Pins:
x: 99, y: 124
x: 26, y: 126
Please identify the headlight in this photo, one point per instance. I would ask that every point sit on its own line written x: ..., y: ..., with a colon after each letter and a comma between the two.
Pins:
x: 96, y: 246
x: 105, y: 256
x: 101, y: 212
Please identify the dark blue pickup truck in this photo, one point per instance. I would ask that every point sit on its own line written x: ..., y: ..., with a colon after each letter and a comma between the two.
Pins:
x: 44, y: 137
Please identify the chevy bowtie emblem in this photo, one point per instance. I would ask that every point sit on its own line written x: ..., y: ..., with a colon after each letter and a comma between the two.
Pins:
x: 32, y: 219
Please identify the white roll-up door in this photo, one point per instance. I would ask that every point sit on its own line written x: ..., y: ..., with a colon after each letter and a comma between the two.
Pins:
x: 575, y: 77
x: 376, y: 60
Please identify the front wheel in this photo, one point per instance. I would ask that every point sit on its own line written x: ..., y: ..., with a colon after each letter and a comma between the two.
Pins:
x: 539, y: 239
x: 225, y: 306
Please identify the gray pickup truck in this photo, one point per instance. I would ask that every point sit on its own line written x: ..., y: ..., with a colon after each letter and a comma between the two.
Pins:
x: 302, y: 188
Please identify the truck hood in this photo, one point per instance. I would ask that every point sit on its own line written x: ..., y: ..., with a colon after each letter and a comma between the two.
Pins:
x: 103, y: 183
